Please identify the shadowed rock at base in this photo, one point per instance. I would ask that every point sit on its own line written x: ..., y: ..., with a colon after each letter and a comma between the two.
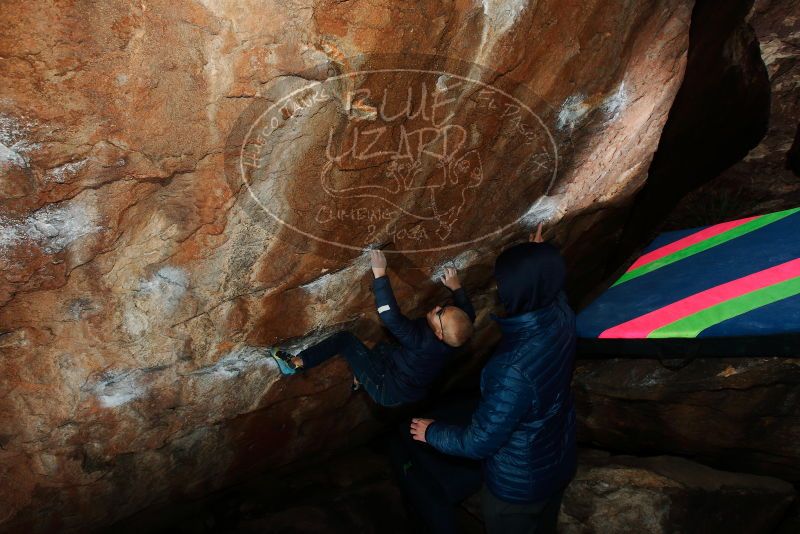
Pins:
x: 665, y: 494
x: 739, y: 414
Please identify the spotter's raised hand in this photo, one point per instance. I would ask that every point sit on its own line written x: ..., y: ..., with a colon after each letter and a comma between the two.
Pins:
x: 536, y: 237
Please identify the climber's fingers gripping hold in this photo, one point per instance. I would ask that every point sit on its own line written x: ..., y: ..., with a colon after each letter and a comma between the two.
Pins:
x: 450, y: 278
x: 378, y: 261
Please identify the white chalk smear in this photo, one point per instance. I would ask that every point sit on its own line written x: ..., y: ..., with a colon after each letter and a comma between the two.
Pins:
x: 499, y: 17
x: 545, y: 209
x: 575, y: 109
x: 460, y: 262
x: 615, y: 102
x: 12, y: 130
x: 295, y: 346
x: 10, y: 234
x: 114, y: 389
x: 342, y: 280
x: 238, y: 361
x: 14, y: 145
x: 63, y: 172
x: 135, y: 321
x: 441, y: 83
x: 168, y: 284
x: 14, y: 133
x: 155, y: 298
x: 572, y: 112
x: 503, y: 13
x: 12, y: 157
x: 53, y: 227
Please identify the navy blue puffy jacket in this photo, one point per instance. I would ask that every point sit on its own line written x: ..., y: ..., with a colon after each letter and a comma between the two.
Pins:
x: 524, y: 427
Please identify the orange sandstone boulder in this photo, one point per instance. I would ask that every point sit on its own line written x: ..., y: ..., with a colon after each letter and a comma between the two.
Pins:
x: 153, y: 244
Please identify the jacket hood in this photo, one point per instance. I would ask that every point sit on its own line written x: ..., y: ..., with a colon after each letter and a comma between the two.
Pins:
x: 529, y: 277
x: 531, y: 321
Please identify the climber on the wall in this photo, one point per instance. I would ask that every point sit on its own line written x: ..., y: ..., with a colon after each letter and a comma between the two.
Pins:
x: 523, y: 430
x: 396, y: 374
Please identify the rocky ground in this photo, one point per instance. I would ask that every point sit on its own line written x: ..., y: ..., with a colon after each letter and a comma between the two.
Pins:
x: 739, y: 415
x: 355, y: 492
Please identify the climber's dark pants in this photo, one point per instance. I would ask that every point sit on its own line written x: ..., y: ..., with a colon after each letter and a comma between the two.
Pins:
x: 369, y: 366
x: 434, y: 483
x: 502, y: 517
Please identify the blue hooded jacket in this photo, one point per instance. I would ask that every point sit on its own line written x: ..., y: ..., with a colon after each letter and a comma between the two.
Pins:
x: 524, y: 427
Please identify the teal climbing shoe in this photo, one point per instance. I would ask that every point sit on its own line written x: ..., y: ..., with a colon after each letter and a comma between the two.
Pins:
x: 284, y: 361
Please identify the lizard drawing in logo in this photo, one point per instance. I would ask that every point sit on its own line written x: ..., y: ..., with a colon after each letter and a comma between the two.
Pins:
x: 425, y: 173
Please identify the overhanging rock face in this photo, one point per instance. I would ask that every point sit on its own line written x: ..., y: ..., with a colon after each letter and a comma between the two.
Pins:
x: 142, y: 272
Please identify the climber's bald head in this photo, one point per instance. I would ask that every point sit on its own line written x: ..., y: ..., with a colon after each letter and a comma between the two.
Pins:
x: 450, y: 324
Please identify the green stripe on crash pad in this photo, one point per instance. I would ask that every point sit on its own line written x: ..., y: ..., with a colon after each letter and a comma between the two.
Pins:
x: 692, y: 325
x: 711, y: 242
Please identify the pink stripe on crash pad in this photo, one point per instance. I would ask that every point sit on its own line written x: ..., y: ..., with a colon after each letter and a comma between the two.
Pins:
x: 688, y: 241
x: 641, y: 326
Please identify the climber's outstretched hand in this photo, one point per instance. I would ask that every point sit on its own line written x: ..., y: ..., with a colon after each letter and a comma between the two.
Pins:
x: 450, y: 279
x: 419, y: 427
x: 536, y: 237
x: 378, y: 261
